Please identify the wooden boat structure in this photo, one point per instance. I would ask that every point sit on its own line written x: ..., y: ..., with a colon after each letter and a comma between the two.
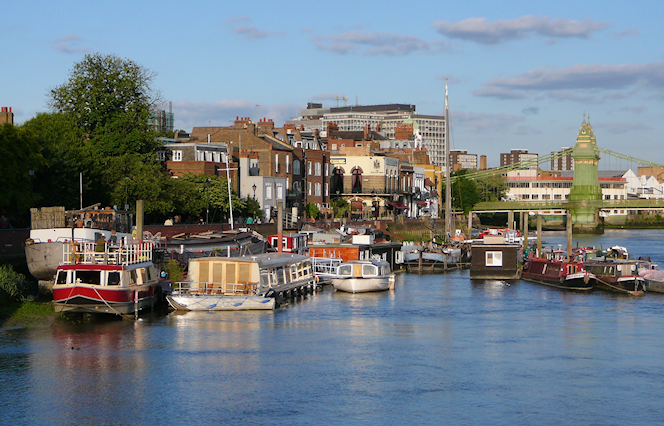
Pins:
x: 495, y: 260
x: 435, y: 259
x: 261, y: 282
x: 617, y: 275
x: 557, y: 271
x: 362, y: 276
x: 111, y: 279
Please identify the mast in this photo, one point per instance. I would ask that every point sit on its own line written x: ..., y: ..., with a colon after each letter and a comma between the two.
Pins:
x: 448, y: 187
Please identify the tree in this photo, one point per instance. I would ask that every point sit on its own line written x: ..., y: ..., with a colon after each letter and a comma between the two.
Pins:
x: 106, y: 94
x: 215, y: 193
x: 491, y: 187
x: 19, y: 153
x: 62, y: 145
x: 464, y: 192
x: 312, y: 210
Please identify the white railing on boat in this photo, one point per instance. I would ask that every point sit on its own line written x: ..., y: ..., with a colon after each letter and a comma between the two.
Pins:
x: 214, y: 288
x: 325, y: 265
x: 92, y: 253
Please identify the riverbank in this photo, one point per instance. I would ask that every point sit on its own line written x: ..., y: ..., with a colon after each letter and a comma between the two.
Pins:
x: 27, y: 314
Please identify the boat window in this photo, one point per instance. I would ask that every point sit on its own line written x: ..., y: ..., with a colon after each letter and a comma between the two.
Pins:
x: 494, y: 258
x: 113, y: 278
x: 134, y: 277
x: 346, y: 270
x: 88, y: 277
x: 280, y: 276
x: 62, y: 277
x: 245, y: 273
x: 148, y: 273
x: 141, y: 275
x: 369, y: 270
x: 265, y: 278
x: 306, y: 268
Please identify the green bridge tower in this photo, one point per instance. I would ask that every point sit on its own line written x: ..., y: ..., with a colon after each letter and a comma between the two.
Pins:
x: 585, y: 196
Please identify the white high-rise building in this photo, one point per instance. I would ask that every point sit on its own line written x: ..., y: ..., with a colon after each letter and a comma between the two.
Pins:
x: 429, y: 129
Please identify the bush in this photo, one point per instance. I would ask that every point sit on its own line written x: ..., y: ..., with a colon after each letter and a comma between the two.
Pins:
x: 174, y: 270
x: 13, y: 286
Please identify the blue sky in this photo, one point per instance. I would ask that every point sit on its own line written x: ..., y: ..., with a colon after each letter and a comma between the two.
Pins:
x: 520, y: 74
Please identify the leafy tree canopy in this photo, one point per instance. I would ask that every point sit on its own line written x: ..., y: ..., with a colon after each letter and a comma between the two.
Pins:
x: 19, y: 153
x: 105, y: 94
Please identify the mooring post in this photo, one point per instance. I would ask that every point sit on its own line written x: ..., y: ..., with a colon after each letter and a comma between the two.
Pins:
x: 569, y: 236
x: 280, y: 226
x: 510, y: 219
x: 419, y: 263
x: 539, y: 235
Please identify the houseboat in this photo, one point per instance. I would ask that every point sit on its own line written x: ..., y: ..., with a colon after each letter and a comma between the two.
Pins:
x: 495, y: 261
x: 556, y: 270
x: 106, y: 278
x: 242, y: 283
x: 364, y: 276
x: 53, y: 228
x: 617, y: 275
x: 433, y: 259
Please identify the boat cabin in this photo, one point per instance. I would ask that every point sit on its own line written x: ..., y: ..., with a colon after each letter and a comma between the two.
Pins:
x: 292, y: 243
x: 495, y: 261
x: 364, y: 269
x: 249, y: 275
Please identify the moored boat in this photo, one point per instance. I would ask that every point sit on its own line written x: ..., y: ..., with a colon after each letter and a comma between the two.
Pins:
x: 242, y: 283
x: 617, y: 275
x: 557, y: 271
x: 53, y: 228
x: 364, y: 276
x: 113, y: 279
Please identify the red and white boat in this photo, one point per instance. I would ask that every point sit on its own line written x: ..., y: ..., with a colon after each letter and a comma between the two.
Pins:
x: 107, y: 278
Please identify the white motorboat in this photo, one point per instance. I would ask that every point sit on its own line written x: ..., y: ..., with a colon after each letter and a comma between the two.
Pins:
x: 361, y: 276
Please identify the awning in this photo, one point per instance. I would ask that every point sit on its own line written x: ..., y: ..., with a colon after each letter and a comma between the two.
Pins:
x: 422, y: 203
x: 356, y: 206
x: 399, y: 206
x: 427, y: 182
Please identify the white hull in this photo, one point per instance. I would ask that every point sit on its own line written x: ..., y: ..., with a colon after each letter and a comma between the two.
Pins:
x: 209, y: 302
x: 363, y: 285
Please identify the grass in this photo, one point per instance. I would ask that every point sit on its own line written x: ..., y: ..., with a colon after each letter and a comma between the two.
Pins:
x: 25, y: 314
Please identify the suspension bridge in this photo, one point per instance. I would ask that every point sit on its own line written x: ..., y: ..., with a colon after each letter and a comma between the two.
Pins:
x: 585, y: 200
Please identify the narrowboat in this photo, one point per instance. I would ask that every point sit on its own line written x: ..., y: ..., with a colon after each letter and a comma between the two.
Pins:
x: 291, y: 243
x: 617, y: 275
x: 557, y: 271
x: 258, y: 282
x: 107, y: 278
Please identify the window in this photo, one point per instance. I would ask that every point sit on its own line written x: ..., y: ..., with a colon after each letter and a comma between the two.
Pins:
x: 308, y: 188
x: 177, y: 155
x: 327, y: 169
x: 494, y: 258
x: 296, y: 167
x: 317, y: 189
x: 268, y: 191
x: 280, y: 192
x: 327, y: 190
x: 309, y: 168
x: 288, y: 164
x: 317, y: 169
x: 276, y: 163
x: 334, y: 147
x: 161, y: 155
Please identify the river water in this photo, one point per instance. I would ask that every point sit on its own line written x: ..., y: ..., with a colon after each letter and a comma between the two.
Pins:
x: 441, y: 349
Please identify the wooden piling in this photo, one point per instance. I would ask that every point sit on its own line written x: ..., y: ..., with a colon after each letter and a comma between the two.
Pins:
x: 539, y: 235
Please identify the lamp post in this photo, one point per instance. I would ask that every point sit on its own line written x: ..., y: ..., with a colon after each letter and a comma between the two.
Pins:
x: 207, y: 194
x: 254, y: 188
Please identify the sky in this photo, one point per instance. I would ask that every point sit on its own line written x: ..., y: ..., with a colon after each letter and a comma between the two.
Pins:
x: 521, y: 74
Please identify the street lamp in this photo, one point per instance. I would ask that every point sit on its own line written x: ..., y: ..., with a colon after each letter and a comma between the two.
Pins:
x: 207, y: 193
x: 254, y: 188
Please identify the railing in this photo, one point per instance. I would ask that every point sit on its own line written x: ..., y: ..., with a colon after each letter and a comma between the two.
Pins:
x: 212, y: 288
x: 89, y: 253
x: 325, y: 265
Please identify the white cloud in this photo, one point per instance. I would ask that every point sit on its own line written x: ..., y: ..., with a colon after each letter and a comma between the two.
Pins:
x: 383, y: 43
x: 498, y: 92
x: 223, y: 113
x: 619, y: 128
x: 69, y: 44
x: 478, y: 30
x: 484, y: 122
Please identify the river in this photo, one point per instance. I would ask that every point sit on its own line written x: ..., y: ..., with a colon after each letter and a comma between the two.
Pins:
x: 440, y: 349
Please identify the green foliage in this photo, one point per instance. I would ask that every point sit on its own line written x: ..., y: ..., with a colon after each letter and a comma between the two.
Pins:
x: 340, y: 207
x: 19, y: 152
x: 214, y: 192
x: 62, y: 144
x: 175, y: 271
x: 106, y: 94
x: 252, y: 208
x: 13, y: 286
x: 464, y: 192
x: 491, y: 187
x: 312, y: 210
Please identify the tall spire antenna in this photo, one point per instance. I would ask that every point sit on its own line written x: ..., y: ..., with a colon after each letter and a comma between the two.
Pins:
x: 448, y: 187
